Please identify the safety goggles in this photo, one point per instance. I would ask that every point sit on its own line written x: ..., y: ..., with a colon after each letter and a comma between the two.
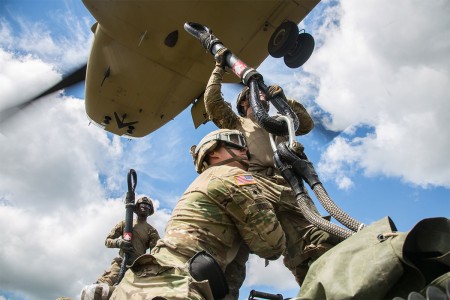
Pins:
x: 148, y: 206
x: 233, y: 146
x: 232, y: 139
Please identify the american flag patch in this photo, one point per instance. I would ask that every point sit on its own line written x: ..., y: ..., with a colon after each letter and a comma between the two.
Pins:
x: 244, y: 179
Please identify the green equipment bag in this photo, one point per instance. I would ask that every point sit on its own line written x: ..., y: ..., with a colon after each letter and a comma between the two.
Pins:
x: 380, y: 263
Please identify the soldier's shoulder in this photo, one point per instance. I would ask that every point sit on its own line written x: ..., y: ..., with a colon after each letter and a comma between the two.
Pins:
x: 233, y: 176
x: 225, y: 171
x: 120, y: 224
x: 150, y: 227
x: 218, y: 178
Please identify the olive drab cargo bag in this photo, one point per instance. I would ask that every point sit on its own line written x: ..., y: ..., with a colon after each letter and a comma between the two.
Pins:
x: 380, y: 263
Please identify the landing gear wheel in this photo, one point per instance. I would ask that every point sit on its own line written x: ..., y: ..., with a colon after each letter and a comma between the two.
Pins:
x: 302, y: 51
x: 283, y: 39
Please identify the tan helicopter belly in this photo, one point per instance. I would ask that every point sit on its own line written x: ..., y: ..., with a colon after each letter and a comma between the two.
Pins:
x: 144, y: 69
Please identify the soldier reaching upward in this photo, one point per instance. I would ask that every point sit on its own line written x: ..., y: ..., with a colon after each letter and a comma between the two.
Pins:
x: 144, y: 237
x: 305, y: 242
x: 223, y: 209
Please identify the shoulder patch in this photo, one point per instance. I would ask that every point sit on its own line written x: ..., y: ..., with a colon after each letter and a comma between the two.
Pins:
x: 244, y: 179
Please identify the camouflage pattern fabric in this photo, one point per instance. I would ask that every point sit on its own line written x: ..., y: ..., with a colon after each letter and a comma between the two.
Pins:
x: 235, y: 273
x: 221, y: 113
x: 144, y: 237
x: 223, y: 209
x: 305, y: 242
x: 380, y: 263
x: 96, y: 292
x: 111, y: 276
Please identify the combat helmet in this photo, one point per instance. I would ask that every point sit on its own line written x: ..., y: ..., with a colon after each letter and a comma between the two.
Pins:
x: 211, y: 141
x: 144, y: 200
x: 241, y: 97
x: 244, y: 94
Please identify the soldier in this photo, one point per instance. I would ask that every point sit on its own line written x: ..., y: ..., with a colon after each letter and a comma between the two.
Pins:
x: 305, y: 242
x: 144, y: 237
x: 223, y: 209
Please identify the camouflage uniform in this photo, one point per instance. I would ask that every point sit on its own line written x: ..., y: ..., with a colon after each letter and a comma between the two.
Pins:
x: 305, y: 242
x: 235, y: 272
x: 223, y: 209
x: 144, y: 237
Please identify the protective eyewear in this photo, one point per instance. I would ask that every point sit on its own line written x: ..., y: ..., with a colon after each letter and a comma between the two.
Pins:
x: 236, y: 140
x: 148, y: 206
x: 233, y: 140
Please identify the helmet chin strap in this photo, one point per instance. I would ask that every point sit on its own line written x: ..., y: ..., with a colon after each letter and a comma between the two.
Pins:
x: 233, y: 157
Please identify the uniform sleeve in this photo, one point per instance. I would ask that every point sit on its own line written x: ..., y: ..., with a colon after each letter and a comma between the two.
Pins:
x: 255, y: 218
x: 114, y: 234
x: 306, y: 122
x: 218, y: 110
x: 154, y: 237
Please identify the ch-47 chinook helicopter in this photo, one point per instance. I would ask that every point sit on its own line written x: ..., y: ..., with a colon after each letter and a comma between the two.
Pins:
x: 144, y: 68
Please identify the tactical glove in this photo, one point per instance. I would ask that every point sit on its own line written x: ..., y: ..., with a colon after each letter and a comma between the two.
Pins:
x: 275, y: 91
x: 220, y: 57
x: 208, y: 40
x: 124, y: 244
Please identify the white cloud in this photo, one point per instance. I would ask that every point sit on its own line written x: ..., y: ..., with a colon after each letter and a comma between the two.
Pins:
x: 65, y: 44
x: 67, y: 245
x: 56, y: 175
x: 258, y: 274
x: 16, y: 74
x: 5, y: 32
x: 387, y: 66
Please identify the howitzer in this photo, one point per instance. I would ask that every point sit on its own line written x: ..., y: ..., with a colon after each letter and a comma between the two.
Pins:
x: 129, y: 209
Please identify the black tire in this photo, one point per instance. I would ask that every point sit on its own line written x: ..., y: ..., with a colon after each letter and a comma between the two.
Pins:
x: 302, y: 51
x: 283, y: 39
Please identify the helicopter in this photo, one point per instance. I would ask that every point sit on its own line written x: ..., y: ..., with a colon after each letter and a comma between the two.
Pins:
x: 141, y: 73
x: 411, y: 217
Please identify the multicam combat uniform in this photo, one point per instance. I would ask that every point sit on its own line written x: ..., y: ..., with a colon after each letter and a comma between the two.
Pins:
x: 305, y: 242
x: 223, y: 209
x: 144, y: 237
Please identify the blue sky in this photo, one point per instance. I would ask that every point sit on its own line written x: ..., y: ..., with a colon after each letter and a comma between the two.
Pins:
x: 379, y: 73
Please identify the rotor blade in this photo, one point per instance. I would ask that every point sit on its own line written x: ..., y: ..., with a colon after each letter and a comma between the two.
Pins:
x: 75, y: 77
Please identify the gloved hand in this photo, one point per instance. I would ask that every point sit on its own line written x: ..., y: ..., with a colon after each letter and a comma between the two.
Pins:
x: 220, y: 57
x: 275, y: 91
x: 208, y: 40
x: 124, y: 244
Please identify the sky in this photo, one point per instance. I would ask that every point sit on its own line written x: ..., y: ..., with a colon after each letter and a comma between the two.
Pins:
x: 379, y: 76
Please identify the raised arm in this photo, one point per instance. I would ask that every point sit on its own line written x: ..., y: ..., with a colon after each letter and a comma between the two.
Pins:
x: 219, y: 111
x: 306, y: 122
